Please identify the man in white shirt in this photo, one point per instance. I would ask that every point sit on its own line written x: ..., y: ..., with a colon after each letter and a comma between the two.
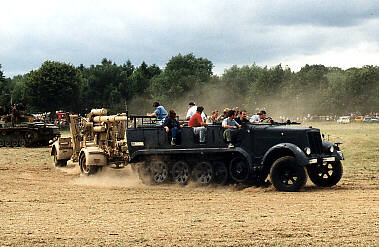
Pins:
x: 192, y: 110
x: 261, y: 117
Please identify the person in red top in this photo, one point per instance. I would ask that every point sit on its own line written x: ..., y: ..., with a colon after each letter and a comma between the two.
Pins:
x: 197, y: 124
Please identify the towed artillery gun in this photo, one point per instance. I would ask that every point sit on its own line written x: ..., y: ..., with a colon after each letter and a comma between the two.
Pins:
x: 96, y: 141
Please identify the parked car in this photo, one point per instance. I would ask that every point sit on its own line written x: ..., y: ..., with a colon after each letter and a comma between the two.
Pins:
x: 359, y: 119
x: 370, y: 120
x: 345, y: 119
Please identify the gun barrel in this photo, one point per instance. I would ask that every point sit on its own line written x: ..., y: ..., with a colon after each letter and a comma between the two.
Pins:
x: 110, y: 119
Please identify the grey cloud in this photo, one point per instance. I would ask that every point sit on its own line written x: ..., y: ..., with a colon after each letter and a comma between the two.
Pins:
x: 226, y: 32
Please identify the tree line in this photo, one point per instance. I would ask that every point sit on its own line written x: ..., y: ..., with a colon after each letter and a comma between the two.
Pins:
x: 315, y: 89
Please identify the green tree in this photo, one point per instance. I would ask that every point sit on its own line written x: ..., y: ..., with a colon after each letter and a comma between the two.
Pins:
x: 5, y: 91
x: 181, y: 74
x: 52, y: 87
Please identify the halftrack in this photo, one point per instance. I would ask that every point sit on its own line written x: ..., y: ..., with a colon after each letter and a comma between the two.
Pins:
x: 287, y: 155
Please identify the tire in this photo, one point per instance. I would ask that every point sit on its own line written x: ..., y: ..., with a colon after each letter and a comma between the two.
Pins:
x: 326, y: 174
x: 2, y: 143
x: 286, y: 175
x: 159, y: 172
x: 181, y: 172
x: 58, y: 163
x: 203, y: 173
x: 239, y: 170
x: 221, y: 173
x: 87, y: 170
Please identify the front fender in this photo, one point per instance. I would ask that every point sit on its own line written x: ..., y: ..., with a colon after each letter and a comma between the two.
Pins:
x: 336, y: 152
x: 286, y: 149
x: 62, y: 152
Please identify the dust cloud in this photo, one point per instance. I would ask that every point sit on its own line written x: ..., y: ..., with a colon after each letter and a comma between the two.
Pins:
x: 109, y: 177
x: 217, y: 96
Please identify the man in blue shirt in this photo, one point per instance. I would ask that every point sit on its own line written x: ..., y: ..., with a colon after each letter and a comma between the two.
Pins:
x: 230, y: 125
x: 160, y: 112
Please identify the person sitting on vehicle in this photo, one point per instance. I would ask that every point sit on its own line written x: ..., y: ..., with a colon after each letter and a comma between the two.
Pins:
x: 197, y: 124
x: 230, y: 126
x: 236, y: 112
x: 242, y: 119
x: 160, y: 112
x: 213, y: 118
x: 172, y: 127
x: 192, y: 110
x: 224, y: 115
x: 260, y: 117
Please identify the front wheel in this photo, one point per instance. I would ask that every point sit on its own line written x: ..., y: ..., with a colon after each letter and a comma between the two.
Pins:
x: 326, y: 174
x: 85, y: 168
x: 287, y: 175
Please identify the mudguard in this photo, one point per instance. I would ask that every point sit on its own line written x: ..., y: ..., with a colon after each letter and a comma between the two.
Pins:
x: 63, y: 148
x: 300, y: 156
x: 336, y: 153
x: 95, y: 156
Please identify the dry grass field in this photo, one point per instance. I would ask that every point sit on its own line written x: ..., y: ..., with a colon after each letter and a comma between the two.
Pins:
x: 41, y: 205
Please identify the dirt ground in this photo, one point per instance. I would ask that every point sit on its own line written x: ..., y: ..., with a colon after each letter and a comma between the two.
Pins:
x: 41, y: 205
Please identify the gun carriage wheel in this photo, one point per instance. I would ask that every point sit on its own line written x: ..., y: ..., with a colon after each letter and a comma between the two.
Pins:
x: 58, y: 163
x: 325, y: 174
x: 86, y: 168
x: 203, y: 173
x: 287, y: 175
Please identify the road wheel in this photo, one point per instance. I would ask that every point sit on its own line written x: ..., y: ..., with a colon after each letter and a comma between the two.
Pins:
x: 22, y: 142
x: 180, y: 172
x: 287, y: 175
x: 159, y: 172
x: 2, y: 143
x: 15, y: 143
x: 87, y: 169
x: 8, y: 143
x: 203, y: 173
x: 221, y: 174
x: 144, y: 174
x: 326, y: 174
x: 239, y: 170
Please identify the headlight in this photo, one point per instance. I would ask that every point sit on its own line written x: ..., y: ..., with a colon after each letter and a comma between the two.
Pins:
x: 331, y: 149
x: 307, y: 150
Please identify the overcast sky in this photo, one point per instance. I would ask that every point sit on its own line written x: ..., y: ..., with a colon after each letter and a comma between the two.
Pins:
x: 294, y: 33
